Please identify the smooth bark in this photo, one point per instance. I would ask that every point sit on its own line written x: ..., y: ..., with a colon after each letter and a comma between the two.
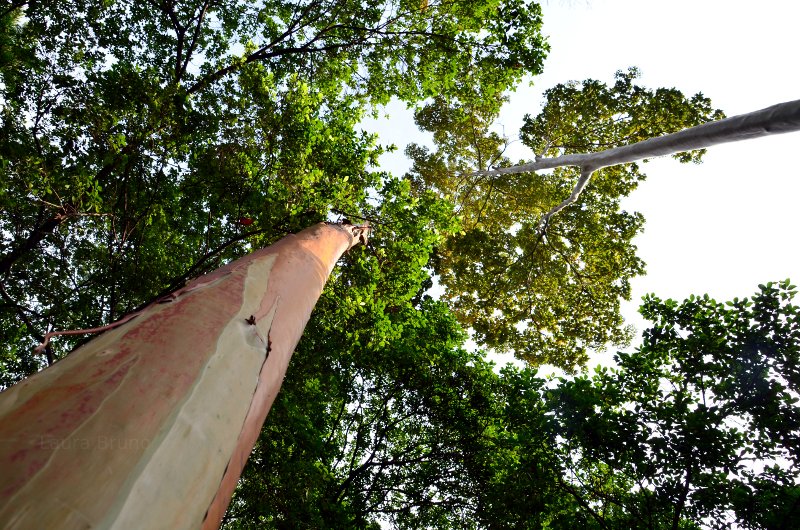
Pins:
x: 777, y: 119
x: 150, y: 424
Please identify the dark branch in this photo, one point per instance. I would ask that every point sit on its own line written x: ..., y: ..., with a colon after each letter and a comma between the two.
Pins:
x: 195, y: 39
x: 21, y: 313
x: 13, y: 7
x: 32, y: 241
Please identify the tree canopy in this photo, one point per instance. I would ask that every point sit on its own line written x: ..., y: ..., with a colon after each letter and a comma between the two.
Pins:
x: 547, y: 295
x: 699, y: 427
x: 145, y: 143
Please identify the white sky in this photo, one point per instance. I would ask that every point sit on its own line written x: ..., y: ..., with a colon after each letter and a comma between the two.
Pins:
x: 721, y: 227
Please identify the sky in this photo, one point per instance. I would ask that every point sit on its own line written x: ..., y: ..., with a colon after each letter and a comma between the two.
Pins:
x: 721, y: 227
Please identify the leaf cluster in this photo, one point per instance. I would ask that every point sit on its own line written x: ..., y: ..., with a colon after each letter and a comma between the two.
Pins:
x: 700, y: 423
x: 695, y: 429
x: 547, y: 293
x: 144, y: 143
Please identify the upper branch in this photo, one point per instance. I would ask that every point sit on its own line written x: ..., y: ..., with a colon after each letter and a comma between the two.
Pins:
x: 363, y: 35
x: 777, y: 119
x: 195, y: 39
x: 13, y: 6
x: 291, y: 28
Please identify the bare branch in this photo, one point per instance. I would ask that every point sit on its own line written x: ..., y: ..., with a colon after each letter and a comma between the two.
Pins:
x: 777, y: 119
x: 86, y: 331
x: 33, y: 239
x: 576, y: 192
x: 21, y: 313
x: 195, y: 38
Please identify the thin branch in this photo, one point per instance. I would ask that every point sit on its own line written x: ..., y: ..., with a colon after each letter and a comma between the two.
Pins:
x: 195, y: 38
x: 33, y: 239
x: 582, y: 502
x: 291, y: 28
x: 307, y: 47
x: 676, y: 519
x: 335, y: 423
x: 576, y: 192
x: 371, y: 220
x: 12, y: 7
x: 354, y: 416
x: 178, y: 282
x: 86, y: 331
x: 485, y: 203
x: 168, y: 8
x: 21, y: 313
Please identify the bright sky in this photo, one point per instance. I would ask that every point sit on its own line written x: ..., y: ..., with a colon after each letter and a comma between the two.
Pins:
x: 730, y: 223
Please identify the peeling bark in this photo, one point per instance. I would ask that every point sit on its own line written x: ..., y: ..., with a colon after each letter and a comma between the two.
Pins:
x: 150, y: 424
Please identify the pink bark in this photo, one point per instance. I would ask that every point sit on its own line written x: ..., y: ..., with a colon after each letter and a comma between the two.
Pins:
x: 151, y: 423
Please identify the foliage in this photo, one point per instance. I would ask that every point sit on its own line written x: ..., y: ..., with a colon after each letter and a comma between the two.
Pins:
x: 144, y: 143
x: 700, y: 424
x: 357, y: 437
x: 698, y: 428
x: 550, y: 295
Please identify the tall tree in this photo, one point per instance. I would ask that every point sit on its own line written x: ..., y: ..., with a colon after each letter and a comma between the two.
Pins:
x: 525, y: 272
x: 151, y: 424
x: 211, y: 127
x: 162, y: 139
x: 144, y: 143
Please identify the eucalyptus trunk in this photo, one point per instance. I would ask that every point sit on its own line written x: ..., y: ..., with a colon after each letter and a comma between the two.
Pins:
x: 150, y: 424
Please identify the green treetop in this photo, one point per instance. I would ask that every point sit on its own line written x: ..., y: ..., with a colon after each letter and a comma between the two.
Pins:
x: 697, y: 428
x: 144, y: 143
x: 546, y: 291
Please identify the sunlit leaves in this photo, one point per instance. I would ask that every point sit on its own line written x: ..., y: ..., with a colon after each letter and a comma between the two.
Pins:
x: 549, y: 295
x: 592, y: 116
x: 134, y: 135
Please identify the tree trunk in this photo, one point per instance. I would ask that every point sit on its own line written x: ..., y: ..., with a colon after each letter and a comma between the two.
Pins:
x: 150, y: 424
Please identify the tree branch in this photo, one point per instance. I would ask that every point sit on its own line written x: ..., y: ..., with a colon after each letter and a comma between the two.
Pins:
x: 291, y: 28
x: 576, y: 192
x: 777, y: 119
x: 11, y: 8
x: 261, y: 54
x: 195, y: 38
x: 676, y: 518
x: 168, y: 8
x: 21, y: 313
x: 179, y: 281
x: 34, y: 238
x: 582, y: 502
